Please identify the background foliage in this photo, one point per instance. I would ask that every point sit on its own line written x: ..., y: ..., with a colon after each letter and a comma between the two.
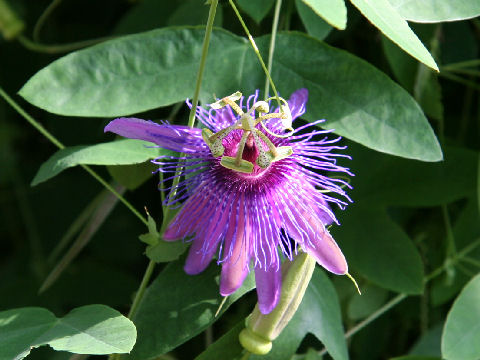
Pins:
x: 411, y: 237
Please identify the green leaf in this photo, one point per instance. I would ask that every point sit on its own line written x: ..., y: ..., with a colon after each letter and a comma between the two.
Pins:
x: 358, y: 100
x: 429, y: 343
x: 121, y: 152
x: 372, y: 299
x: 91, y: 329
x: 379, y: 249
x: 132, y: 176
x: 165, y: 251
x: 177, y: 306
x: 416, y: 77
x: 461, y: 331
x: 333, y: 12
x: 226, y: 347
x: 257, y: 9
x: 158, y: 249
x: 436, y: 11
x: 401, y: 182
x: 415, y: 357
x: 194, y: 12
x: 389, y: 22
x: 315, y: 26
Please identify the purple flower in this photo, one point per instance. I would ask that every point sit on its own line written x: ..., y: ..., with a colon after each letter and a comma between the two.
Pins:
x: 246, y: 192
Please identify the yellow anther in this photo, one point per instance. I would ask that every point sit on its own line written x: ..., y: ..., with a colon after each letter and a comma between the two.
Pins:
x: 215, y: 144
x: 232, y: 164
x: 286, y: 117
x: 226, y: 100
x: 261, y: 107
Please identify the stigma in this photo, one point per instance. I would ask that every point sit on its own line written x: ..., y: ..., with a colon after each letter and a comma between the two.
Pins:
x: 253, y: 139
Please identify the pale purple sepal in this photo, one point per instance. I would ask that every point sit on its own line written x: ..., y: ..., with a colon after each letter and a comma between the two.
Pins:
x: 327, y: 253
x: 171, y: 137
x: 297, y: 102
x: 269, y: 283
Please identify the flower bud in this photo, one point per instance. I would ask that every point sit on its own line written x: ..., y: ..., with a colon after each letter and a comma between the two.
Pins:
x: 262, y: 329
x: 10, y: 25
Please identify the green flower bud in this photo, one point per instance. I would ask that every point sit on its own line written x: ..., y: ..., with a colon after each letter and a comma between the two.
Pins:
x: 262, y: 329
x: 10, y: 24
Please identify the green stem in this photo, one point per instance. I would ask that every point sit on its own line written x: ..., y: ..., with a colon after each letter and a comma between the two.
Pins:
x: 75, y: 227
x: 271, y: 49
x: 41, y: 20
x: 191, y: 122
x: 478, y: 182
x: 471, y: 72
x: 459, y: 79
x: 376, y: 314
x: 255, y: 49
x: 201, y: 70
x: 60, y: 48
x: 58, y: 144
x: 462, y: 64
x: 141, y: 289
x: 451, y: 248
x: 203, y: 60
x: 31, y: 120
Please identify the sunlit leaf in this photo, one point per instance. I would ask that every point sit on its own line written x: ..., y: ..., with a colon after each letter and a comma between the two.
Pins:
x: 91, y: 329
x: 461, y: 331
x: 121, y: 152
x: 333, y: 12
x: 315, y: 26
x: 389, y: 22
x: 436, y: 10
x: 359, y: 101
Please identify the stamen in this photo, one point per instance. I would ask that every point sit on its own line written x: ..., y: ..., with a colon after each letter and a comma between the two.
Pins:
x: 237, y: 163
x: 248, y: 124
x: 229, y: 100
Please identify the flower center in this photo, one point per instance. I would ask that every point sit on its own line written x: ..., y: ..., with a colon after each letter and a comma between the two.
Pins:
x: 253, y: 148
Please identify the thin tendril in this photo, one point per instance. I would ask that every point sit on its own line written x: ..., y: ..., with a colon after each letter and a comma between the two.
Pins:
x: 41, y: 20
x: 60, y: 48
x: 58, y: 144
x: 272, y: 43
x: 255, y: 49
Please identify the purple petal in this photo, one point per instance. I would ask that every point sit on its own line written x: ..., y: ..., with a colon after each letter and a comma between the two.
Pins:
x: 172, y: 137
x: 297, y: 102
x: 269, y: 284
x: 327, y: 253
x: 197, y: 259
x: 237, y: 257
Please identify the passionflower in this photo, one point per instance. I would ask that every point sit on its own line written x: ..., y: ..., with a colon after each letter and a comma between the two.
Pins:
x: 249, y: 192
